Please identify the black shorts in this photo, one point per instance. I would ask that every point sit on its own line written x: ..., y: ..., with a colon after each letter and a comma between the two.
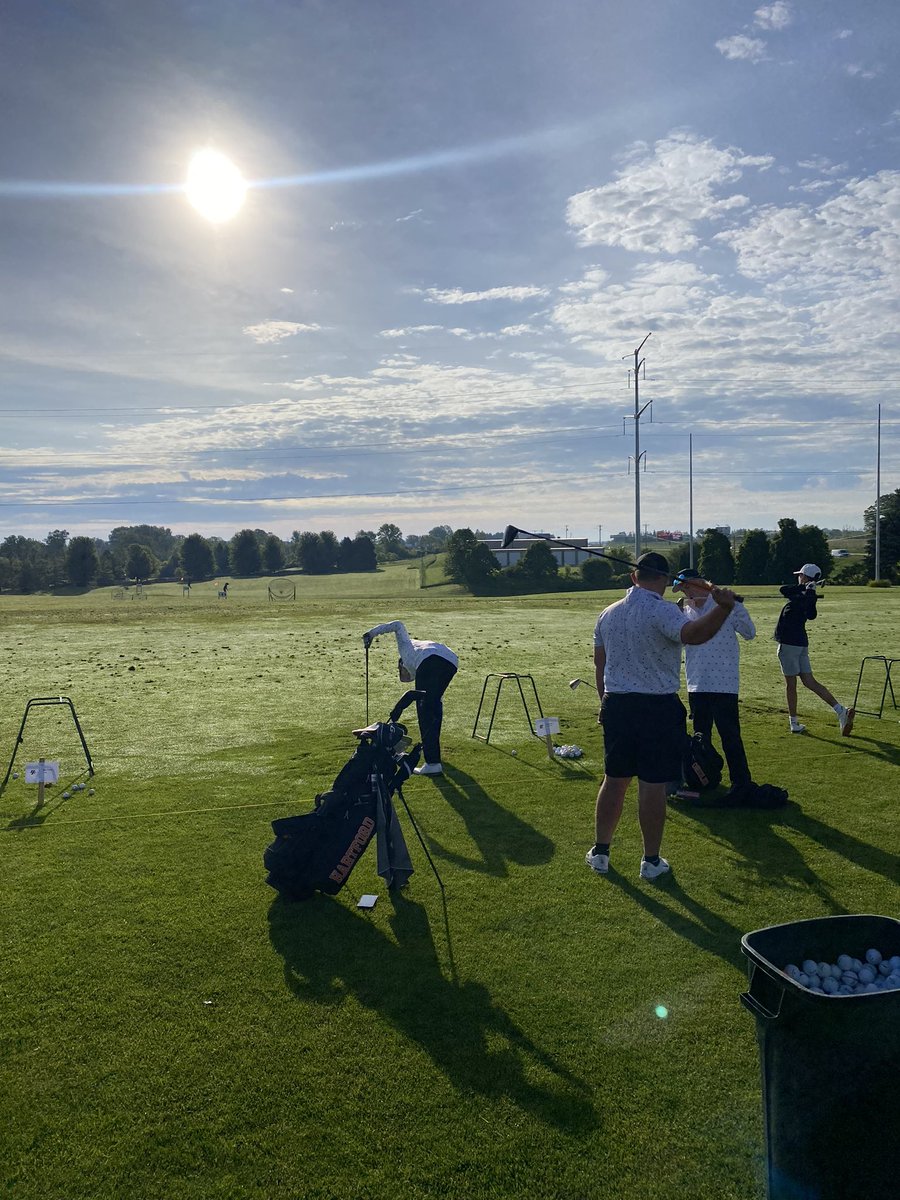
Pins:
x: 644, y: 736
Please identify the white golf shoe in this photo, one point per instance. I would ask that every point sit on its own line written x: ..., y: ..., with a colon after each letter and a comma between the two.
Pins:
x: 429, y: 769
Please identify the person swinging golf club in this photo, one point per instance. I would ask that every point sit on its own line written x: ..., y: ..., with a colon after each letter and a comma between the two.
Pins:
x: 429, y: 666
x: 637, y: 657
x: 793, y: 648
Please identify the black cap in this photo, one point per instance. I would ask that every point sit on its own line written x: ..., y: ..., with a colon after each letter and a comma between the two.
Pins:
x: 682, y: 576
x: 653, y: 562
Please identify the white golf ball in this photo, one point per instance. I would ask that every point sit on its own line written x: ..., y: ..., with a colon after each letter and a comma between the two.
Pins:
x: 845, y: 962
x: 15, y: 774
x: 873, y: 957
x: 65, y: 795
x: 809, y: 967
x: 515, y: 754
x: 803, y: 979
x: 90, y: 791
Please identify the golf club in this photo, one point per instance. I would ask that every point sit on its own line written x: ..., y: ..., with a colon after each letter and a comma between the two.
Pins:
x: 367, y: 684
x: 512, y: 532
x: 575, y: 683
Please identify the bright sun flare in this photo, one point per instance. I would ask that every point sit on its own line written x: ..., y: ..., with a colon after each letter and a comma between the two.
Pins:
x: 215, y: 187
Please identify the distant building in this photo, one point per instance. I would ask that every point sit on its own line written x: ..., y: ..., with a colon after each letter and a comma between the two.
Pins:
x: 564, y: 555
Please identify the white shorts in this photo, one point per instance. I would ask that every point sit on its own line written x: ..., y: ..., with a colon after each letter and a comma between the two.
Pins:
x: 794, y: 660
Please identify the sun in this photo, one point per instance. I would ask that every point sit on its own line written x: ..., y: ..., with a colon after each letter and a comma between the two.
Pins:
x: 215, y: 186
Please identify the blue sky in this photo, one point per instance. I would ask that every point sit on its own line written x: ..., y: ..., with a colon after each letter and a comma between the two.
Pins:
x: 462, y: 220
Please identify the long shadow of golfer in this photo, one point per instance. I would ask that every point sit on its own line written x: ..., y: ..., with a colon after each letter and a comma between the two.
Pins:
x: 500, y: 835
x: 701, y: 925
x: 329, y: 951
x: 754, y: 834
x: 874, y: 747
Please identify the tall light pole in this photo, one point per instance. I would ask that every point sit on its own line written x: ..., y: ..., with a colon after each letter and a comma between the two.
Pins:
x: 691, y: 499
x: 638, y: 412
x: 878, y: 498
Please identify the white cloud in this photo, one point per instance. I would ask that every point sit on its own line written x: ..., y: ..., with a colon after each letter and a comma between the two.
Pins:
x: 741, y: 47
x: 657, y: 200
x: 842, y: 34
x: 458, y: 296
x: 773, y: 16
x: 860, y: 71
x: 416, y: 212
x: 287, y: 291
x: 409, y: 330
x: 275, y: 331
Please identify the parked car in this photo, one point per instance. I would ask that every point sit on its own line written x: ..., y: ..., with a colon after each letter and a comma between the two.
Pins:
x: 840, y: 554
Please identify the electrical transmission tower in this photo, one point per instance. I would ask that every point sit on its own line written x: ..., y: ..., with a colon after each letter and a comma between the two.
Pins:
x: 639, y: 363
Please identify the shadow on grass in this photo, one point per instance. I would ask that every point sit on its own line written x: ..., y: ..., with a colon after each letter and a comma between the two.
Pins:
x: 877, y: 748
x: 500, y: 835
x: 755, y: 835
x: 329, y: 952
x: 700, y: 925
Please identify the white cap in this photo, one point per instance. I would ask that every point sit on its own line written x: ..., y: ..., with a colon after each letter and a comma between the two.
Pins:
x: 810, y: 570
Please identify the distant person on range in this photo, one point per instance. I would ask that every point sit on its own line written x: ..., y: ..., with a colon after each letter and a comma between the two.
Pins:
x: 793, y: 648
x: 712, y: 676
x: 637, y: 656
x: 429, y: 666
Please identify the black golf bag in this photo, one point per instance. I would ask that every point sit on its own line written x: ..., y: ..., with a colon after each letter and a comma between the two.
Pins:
x: 317, y: 851
x: 702, y: 764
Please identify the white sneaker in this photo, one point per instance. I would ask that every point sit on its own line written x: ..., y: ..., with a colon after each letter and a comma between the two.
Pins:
x: 845, y: 719
x: 796, y: 727
x: 597, y: 862
x: 651, y: 870
x: 429, y: 769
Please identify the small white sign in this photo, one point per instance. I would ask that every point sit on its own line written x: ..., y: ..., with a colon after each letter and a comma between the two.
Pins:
x: 42, y: 772
x: 544, y: 726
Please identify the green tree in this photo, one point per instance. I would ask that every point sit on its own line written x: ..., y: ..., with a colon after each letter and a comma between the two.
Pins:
x: 221, y: 555
x: 389, y: 543
x: 469, y: 561
x: 715, y: 561
x: 329, y: 551
x: 785, y: 551
x: 159, y: 540
x: 244, y: 555
x: 752, y: 563
x: 814, y: 548
x: 273, y: 553
x: 56, y: 554
x: 889, y: 513
x: 538, y: 563
x: 140, y: 562
x: 82, y: 564
x: 364, y: 556
x: 196, y: 557
x: 596, y: 572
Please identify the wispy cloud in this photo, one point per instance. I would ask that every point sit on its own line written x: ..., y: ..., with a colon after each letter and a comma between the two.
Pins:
x: 458, y: 296
x: 275, y: 331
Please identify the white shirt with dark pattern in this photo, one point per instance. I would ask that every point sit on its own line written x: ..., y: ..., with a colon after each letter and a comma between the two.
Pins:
x: 714, y: 666
x: 641, y: 636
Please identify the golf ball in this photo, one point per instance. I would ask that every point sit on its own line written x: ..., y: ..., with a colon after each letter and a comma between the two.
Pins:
x: 809, y: 967
x: 15, y: 774
x: 515, y: 754
x: 65, y: 795
x: 90, y: 791
x: 873, y: 957
x: 845, y: 962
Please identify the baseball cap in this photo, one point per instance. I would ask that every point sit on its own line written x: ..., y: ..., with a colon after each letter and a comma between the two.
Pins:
x: 651, y: 561
x: 809, y: 569
x: 682, y: 576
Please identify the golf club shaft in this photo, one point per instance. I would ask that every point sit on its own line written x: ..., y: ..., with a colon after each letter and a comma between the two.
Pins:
x: 610, y: 557
x: 367, y: 685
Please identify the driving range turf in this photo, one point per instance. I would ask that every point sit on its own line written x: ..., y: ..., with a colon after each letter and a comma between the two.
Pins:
x: 170, y: 1028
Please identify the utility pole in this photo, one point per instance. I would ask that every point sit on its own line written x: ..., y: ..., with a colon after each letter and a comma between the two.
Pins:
x: 638, y: 413
x: 878, y: 498
x: 691, y: 499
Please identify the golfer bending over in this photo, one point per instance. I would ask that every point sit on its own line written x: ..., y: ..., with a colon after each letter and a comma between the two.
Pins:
x: 429, y: 666
x: 793, y: 648
x: 637, y: 655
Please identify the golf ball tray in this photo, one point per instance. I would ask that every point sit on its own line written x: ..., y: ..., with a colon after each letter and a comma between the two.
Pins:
x: 849, y: 976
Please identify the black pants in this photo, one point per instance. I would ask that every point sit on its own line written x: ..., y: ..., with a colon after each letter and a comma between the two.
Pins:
x: 721, y: 709
x: 433, y: 678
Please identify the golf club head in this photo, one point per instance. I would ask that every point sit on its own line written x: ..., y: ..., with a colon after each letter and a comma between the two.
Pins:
x: 574, y: 683
x: 509, y: 536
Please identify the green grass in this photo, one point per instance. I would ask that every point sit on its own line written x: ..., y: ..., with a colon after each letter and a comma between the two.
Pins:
x: 170, y: 1029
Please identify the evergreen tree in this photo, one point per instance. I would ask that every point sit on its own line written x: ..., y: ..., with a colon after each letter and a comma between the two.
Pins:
x: 752, y: 564
x: 889, y: 512
x: 82, y: 564
x: 715, y: 561
x: 273, y: 554
x: 364, y: 556
x: 814, y: 548
x: 140, y: 563
x: 244, y: 554
x: 469, y: 561
x: 196, y: 557
x: 329, y: 550
x: 786, y: 552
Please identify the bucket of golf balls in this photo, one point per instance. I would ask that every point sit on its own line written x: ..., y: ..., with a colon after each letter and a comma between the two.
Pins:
x: 848, y: 975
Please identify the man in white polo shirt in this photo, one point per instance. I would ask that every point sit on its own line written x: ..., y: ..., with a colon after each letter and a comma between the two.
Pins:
x: 637, y: 657
x: 712, y: 672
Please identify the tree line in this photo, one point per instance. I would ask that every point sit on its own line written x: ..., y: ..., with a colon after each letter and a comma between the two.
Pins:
x: 148, y: 552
